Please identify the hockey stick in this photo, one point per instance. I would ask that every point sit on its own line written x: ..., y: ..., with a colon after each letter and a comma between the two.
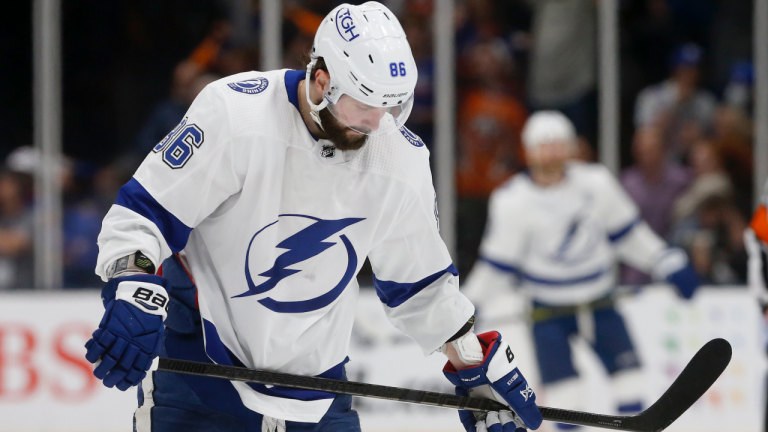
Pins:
x: 700, y: 373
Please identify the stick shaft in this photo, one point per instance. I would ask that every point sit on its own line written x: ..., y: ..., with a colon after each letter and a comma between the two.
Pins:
x: 329, y: 385
x: 376, y: 391
x: 700, y: 373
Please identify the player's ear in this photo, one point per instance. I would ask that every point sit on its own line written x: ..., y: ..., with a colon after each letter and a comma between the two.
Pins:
x: 321, y: 79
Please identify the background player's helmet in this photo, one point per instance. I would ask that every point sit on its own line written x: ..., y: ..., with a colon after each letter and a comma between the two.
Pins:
x: 373, y: 73
x: 547, y: 127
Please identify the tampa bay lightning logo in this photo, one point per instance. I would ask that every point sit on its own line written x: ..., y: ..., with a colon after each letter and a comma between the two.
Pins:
x: 251, y: 86
x: 305, y: 244
x: 580, y: 239
x: 411, y: 137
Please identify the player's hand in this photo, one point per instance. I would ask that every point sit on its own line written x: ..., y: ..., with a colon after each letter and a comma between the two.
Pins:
x: 675, y: 268
x: 502, y: 421
x: 686, y: 280
x: 497, y: 377
x: 129, y: 336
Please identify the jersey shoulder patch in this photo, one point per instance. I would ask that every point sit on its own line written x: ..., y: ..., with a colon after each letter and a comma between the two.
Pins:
x: 411, y: 137
x: 250, y: 86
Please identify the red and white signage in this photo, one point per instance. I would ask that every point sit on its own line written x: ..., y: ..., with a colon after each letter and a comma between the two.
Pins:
x: 46, y: 385
x: 45, y: 382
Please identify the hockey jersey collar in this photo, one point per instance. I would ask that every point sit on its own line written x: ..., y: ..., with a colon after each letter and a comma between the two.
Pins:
x: 292, y: 80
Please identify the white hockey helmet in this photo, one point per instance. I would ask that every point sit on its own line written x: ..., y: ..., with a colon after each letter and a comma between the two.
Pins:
x: 545, y: 127
x: 373, y: 73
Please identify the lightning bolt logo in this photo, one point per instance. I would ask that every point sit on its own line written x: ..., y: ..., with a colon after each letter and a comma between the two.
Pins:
x: 302, y: 246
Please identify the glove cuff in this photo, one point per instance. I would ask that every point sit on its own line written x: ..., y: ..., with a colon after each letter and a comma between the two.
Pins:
x: 467, y: 347
x: 671, y: 260
x: 147, y: 297
x: 493, y: 367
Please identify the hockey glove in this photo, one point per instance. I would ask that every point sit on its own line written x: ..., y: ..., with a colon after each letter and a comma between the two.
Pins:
x: 497, y: 377
x: 129, y: 336
x: 675, y: 268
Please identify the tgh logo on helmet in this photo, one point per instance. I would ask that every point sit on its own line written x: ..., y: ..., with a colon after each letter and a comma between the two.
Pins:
x: 345, y: 25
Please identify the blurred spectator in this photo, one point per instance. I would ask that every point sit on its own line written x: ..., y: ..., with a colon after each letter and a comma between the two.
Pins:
x: 206, y: 53
x: 16, y: 228
x: 479, y: 22
x: 89, y: 192
x: 418, y: 32
x: 81, y: 224
x: 678, y: 105
x: 188, y: 81
x: 233, y: 60
x: 711, y: 180
x: 562, y: 73
x: 733, y: 139
x: 738, y: 91
x: 654, y: 183
x: 22, y: 161
x: 300, y: 22
x: 713, y: 237
x: 489, y: 124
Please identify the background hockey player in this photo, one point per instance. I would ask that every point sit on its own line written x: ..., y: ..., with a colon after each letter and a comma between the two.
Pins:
x: 262, y: 205
x: 557, y: 231
x: 756, y: 242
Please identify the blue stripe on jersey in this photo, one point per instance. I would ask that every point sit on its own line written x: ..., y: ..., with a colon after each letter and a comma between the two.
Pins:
x: 543, y: 281
x: 501, y: 266
x: 393, y: 294
x: 620, y: 233
x: 561, y: 282
x: 134, y: 197
x: 292, y: 80
x: 220, y: 354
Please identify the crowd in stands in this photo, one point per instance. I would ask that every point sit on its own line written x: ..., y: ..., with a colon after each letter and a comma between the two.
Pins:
x: 687, y: 148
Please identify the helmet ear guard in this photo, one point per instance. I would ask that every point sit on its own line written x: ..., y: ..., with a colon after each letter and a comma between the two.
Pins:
x: 314, y: 109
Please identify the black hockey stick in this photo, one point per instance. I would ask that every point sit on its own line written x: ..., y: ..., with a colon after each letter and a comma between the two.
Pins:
x: 700, y: 373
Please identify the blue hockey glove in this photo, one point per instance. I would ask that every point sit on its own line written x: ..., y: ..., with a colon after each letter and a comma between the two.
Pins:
x: 686, y: 280
x: 675, y: 268
x: 131, y: 331
x: 497, y: 377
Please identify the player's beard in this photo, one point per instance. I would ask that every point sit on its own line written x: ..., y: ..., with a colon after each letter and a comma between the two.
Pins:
x: 339, y: 134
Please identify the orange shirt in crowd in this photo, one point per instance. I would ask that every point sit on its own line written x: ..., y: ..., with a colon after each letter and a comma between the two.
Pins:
x: 489, y: 142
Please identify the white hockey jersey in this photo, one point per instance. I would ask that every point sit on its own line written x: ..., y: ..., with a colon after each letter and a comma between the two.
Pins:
x: 561, y: 243
x: 275, y: 225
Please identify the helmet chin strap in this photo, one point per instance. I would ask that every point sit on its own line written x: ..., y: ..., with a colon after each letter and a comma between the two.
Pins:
x: 314, y: 110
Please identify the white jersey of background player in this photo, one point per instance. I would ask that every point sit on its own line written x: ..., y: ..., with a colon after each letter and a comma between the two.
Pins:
x: 274, y: 224
x: 557, y: 232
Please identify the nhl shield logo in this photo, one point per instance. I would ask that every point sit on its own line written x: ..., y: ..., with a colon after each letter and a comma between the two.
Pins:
x: 328, y: 151
x: 251, y: 86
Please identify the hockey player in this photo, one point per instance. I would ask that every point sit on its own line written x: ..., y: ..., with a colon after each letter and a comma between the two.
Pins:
x: 557, y: 232
x: 756, y: 242
x: 262, y: 205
